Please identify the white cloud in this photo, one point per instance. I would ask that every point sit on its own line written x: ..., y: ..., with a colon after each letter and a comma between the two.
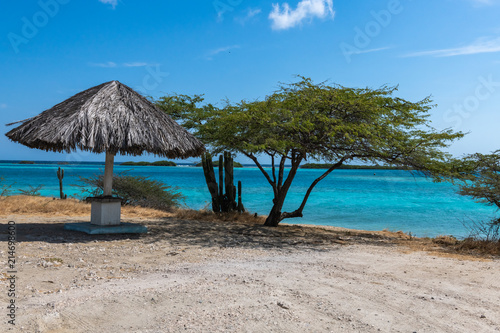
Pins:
x: 215, y: 52
x: 111, y: 64
x: 481, y: 45
x: 113, y: 3
x: 250, y: 13
x: 373, y: 50
x: 283, y: 17
x: 108, y: 64
x: 136, y: 64
x: 3, y: 106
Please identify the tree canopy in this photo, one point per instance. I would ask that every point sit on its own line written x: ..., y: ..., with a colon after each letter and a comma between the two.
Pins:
x: 483, y: 181
x: 304, y: 121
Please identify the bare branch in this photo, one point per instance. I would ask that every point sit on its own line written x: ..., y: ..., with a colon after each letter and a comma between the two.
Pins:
x: 271, y: 182
x: 298, y: 212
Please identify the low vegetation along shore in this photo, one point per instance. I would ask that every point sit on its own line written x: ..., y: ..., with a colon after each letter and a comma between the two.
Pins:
x: 44, y: 206
x: 196, y: 271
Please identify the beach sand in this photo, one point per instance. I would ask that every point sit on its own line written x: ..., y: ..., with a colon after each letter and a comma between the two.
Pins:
x: 195, y: 276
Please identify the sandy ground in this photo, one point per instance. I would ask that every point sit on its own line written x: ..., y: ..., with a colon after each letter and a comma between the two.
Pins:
x: 192, y: 276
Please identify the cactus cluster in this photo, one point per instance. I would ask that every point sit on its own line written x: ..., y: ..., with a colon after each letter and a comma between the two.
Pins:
x: 222, y: 202
x: 60, y: 176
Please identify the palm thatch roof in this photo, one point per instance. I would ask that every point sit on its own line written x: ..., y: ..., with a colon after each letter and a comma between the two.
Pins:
x: 110, y: 117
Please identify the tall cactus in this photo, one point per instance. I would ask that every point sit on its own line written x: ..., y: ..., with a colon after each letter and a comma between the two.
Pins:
x: 222, y: 202
x: 208, y: 170
x: 241, y: 209
x: 60, y: 176
x: 229, y: 174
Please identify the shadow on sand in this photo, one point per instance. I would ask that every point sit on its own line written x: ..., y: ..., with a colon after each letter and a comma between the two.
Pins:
x: 180, y: 232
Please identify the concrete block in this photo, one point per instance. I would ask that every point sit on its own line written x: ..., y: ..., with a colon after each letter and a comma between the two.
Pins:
x: 105, y: 211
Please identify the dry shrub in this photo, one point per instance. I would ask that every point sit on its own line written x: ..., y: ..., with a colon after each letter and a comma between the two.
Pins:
x: 142, y: 212
x: 445, y: 240
x: 42, y: 206
x: 478, y: 247
x: 395, y: 234
x: 45, y: 206
x: 449, y: 246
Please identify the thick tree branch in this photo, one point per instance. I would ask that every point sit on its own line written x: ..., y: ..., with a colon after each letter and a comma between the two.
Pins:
x: 281, y: 170
x: 271, y: 182
x: 298, y: 212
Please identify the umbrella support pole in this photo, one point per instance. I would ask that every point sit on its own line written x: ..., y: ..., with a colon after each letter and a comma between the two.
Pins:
x: 105, y: 211
x: 108, y: 174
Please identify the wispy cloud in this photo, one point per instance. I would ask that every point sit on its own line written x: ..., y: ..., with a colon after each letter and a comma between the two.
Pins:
x: 213, y: 53
x: 136, y: 64
x: 111, y: 64
x: 481, y: 45
x: 283, y: 17
x: 108, y: 64
x: 3, y: 106
x: 113, y: 3
x: 250, y: 13
x: 373, y: 50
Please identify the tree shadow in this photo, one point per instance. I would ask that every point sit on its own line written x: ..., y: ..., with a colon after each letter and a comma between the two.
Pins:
x: 204, y: 234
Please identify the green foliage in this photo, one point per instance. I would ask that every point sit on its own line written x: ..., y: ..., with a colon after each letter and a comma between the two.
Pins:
x: 32, y: 191
x: 483, y: 183
x: 157, y: 163
x: 306, y: 121
x: 26, y: 162
x: 136, y: 191
x: 185, y: 109
x: 360, y: 167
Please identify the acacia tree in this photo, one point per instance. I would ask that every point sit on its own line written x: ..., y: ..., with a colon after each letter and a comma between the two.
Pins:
x: 306, y: 121
x: 483, y: 178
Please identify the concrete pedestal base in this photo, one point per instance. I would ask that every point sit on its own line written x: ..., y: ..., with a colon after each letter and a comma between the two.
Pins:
x: 105, y: 211
x: 91, y: 229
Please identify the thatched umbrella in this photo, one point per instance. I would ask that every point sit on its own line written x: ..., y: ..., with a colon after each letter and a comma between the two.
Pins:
x: 110, y: 118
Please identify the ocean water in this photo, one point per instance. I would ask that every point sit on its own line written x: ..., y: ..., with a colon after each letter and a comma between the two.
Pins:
x: 358, y: 199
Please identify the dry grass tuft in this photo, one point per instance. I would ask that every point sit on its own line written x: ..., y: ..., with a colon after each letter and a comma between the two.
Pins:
x: 445, y: 240
x: 478, y: 247
x: 44, y: 206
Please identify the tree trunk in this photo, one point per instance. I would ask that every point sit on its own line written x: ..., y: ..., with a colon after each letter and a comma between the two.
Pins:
x: 274, y: 217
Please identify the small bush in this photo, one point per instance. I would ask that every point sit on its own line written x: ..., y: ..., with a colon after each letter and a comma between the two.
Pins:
x: 157, y: 163
x: 32, y: 191
x: 136, y: 191
x: 485, y: 231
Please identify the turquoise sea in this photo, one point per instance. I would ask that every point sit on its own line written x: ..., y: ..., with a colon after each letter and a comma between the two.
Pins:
x: 358, y: 199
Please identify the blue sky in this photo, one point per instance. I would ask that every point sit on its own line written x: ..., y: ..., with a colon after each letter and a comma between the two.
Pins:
x: 240, y: 49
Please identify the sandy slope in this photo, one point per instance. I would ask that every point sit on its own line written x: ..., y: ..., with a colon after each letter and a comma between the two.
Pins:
x: 188, y: 276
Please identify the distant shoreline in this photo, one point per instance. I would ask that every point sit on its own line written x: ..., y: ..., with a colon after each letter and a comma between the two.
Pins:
x: 194, y: 165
